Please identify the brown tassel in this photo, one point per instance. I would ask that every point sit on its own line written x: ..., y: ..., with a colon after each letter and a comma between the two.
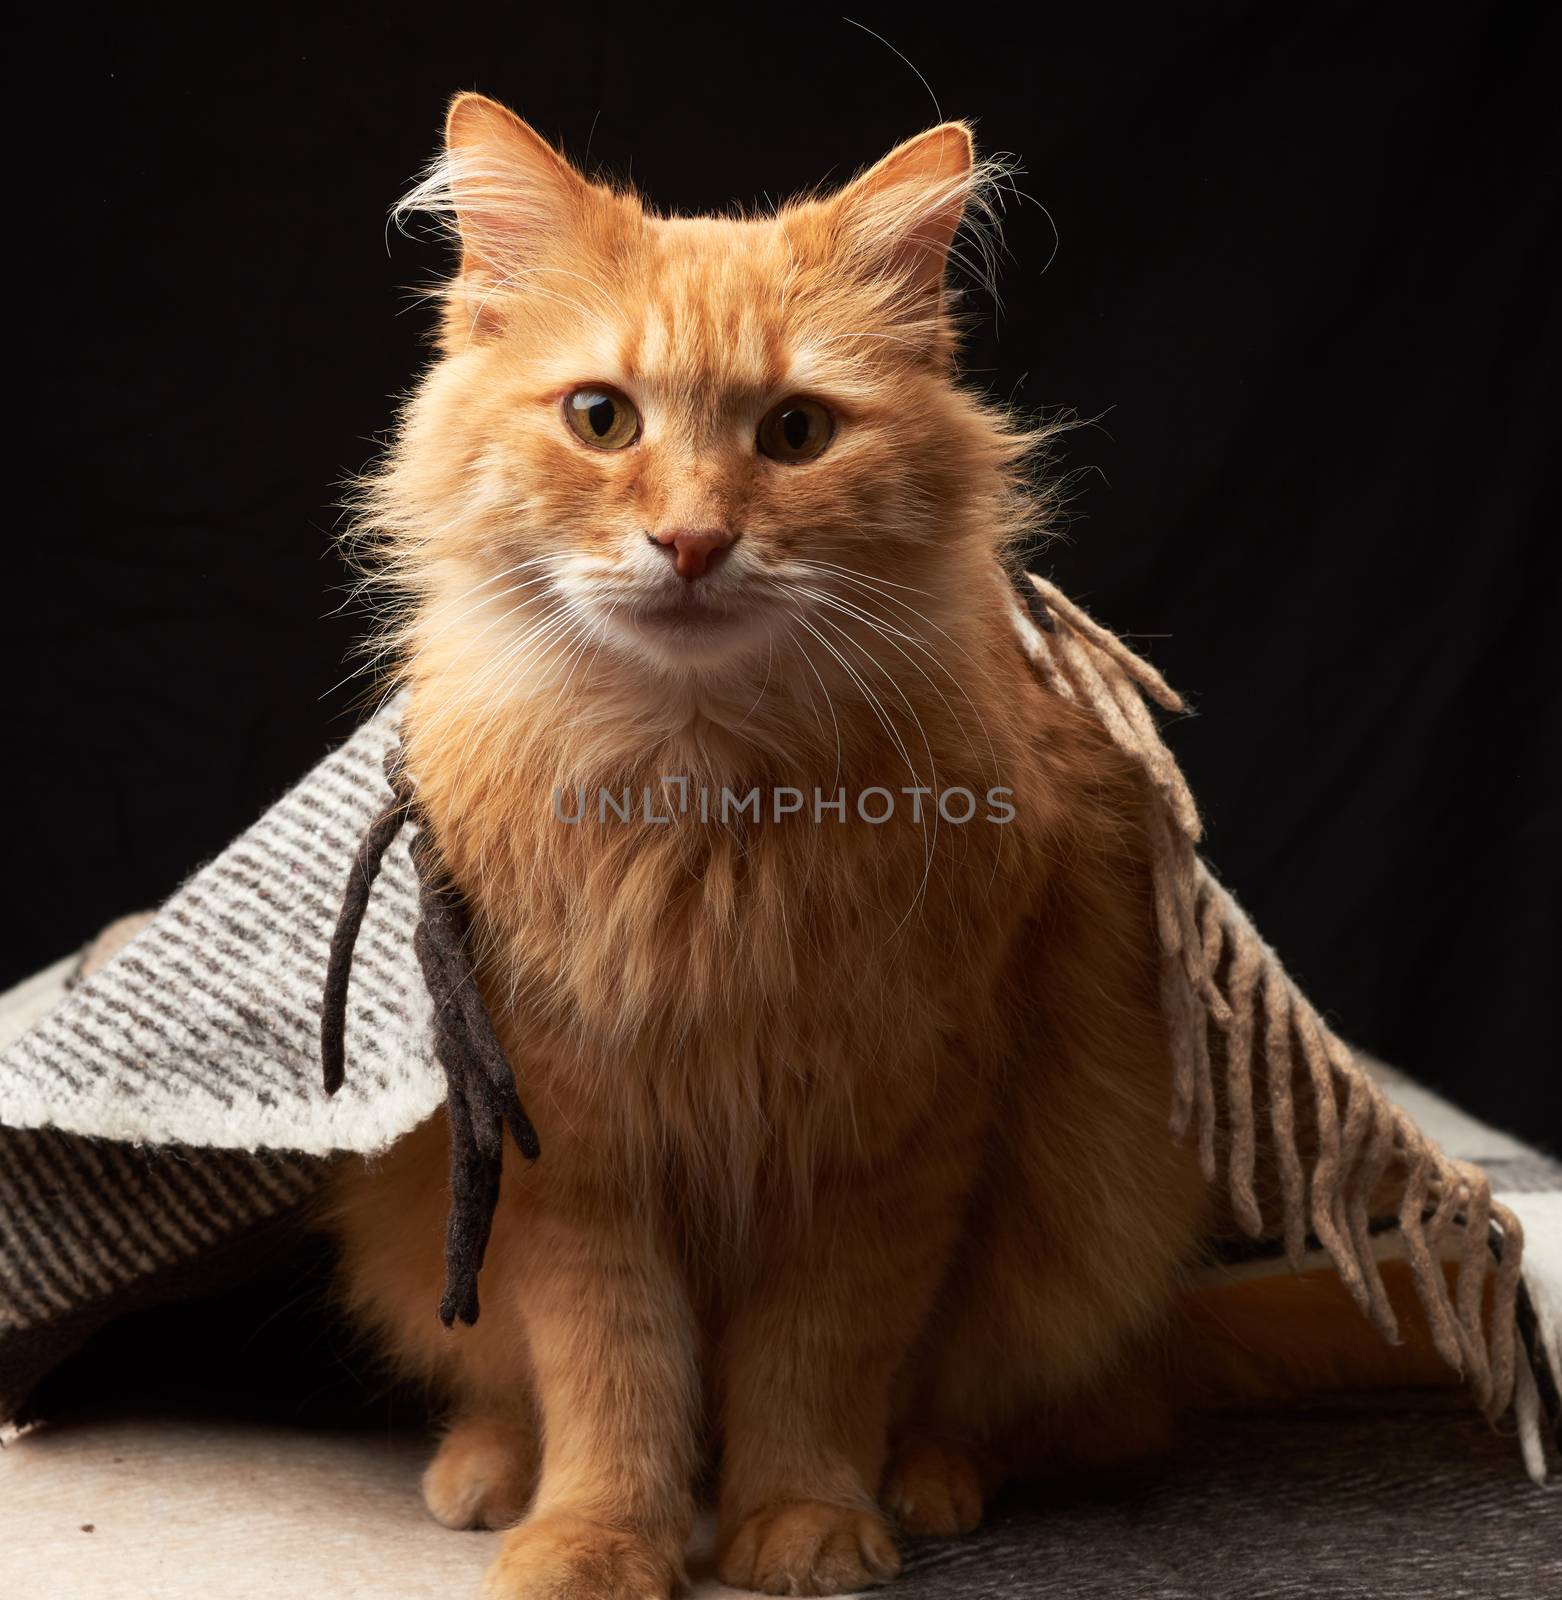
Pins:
x: 481, y: 1098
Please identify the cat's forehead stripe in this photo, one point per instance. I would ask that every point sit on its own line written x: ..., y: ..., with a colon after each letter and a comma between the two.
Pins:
x: 698, y: 331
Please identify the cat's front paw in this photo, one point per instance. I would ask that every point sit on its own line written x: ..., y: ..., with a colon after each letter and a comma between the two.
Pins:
x: 562, y: 1557
x: 934, y: 1490
x: 807, y: 1547
x: 483, y: 1474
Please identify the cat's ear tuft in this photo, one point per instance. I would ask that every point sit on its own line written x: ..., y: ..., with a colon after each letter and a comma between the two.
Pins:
x: 506, y: 187
x: 902, y: 214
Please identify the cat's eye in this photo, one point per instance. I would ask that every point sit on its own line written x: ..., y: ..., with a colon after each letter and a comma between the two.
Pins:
x: 602, y: 417
x: 795, y: 430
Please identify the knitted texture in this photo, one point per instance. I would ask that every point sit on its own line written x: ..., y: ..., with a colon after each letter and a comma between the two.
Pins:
x: 168, y: 1109
x: 205, y: 1029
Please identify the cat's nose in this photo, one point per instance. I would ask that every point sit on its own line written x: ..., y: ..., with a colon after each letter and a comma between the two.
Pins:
x: 694, y: 550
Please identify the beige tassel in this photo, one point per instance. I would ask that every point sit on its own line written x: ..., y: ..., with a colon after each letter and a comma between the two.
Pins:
x: 1375, y: 1163
x: 1246, y: 967
x: 1282, y: 1112
x: 1359, y: 1140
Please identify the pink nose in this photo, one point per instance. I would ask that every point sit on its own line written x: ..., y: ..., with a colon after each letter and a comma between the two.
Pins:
x: 697, y: 549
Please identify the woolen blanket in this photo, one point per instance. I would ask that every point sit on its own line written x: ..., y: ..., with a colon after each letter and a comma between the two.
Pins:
x: 159, y: 1112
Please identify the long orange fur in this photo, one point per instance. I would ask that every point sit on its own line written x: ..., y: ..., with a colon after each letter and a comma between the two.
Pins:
x: 856, y: 1190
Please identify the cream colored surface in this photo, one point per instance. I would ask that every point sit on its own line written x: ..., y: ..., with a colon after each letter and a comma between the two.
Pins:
x: 196, y: 1510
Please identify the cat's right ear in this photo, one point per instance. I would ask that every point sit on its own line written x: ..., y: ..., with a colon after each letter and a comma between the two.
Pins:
x: 509, y: 191
x: 896, y: 223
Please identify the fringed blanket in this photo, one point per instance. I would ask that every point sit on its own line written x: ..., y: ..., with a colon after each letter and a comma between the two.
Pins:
x: 159, y: 1112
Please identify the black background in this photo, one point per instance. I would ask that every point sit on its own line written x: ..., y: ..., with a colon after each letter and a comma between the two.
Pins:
x: 1305, y: 275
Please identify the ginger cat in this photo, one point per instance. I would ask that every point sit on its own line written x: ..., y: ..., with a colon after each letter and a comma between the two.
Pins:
x: 825, y: 1102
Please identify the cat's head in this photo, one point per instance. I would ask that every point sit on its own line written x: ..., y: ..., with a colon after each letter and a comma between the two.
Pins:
x: 692, y: 445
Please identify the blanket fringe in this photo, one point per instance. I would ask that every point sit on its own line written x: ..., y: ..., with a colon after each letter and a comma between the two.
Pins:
x: 1363, y: 1160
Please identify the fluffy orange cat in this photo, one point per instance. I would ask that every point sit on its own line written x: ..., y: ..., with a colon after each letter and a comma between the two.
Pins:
x: 694, y: 508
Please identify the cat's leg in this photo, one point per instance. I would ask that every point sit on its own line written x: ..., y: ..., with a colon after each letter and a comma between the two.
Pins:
x: 484, y: 1472
x: 1048, y: 1352
x: 1012, y: 1395
x: 808, y: 1365
x: 608, y: 1326
x: 1048, y: 1343
x: 388, y: 1219
x: 938, y: 1487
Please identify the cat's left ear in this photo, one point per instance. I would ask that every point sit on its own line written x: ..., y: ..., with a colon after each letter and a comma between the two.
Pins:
x: 901, y: 216
x: 510, y: 195
x: 510, y: 187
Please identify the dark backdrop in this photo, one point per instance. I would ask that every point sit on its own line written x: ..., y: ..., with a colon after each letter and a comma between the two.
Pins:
x: 1305, y: 274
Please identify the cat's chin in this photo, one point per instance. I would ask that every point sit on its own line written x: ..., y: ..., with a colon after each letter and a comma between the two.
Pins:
x: 682, y: 636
